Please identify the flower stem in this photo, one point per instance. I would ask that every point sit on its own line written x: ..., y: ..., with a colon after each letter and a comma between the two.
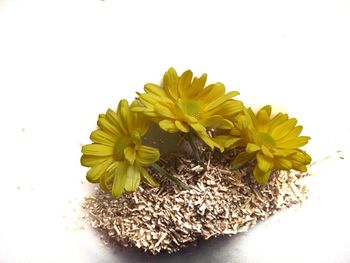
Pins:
x: 170, y: 176
x: 194, y: 148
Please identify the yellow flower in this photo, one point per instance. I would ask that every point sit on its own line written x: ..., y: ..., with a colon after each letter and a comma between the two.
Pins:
x: 184, y: 103
x: 117, y: 157
x: 273, y: 142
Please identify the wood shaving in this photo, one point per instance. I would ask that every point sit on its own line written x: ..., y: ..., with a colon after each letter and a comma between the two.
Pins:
x: 220, y: 202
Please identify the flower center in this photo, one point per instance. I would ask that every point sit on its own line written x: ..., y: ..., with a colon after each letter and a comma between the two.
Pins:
x: 266, y: 139
x: 119, y: 147
x: 191, y: 108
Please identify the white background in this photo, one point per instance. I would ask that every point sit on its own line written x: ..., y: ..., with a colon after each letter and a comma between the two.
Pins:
x: 63, y: 62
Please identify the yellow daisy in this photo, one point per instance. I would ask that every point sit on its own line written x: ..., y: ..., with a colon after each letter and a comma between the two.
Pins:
x: 184, y: 103
x: 117, y: 156
x: 273, y: 142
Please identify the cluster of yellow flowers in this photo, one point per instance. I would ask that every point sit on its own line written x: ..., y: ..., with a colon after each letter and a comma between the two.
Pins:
x: 185, y: 104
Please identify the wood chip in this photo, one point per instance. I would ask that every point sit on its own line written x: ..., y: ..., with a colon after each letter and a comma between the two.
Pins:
x: 220, y: 202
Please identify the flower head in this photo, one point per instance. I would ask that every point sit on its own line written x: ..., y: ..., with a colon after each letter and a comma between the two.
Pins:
x: 273, y: 142
x: 183, y: 103
x: 117, y: 156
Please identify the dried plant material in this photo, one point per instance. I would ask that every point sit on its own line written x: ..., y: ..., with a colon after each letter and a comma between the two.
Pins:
x: 220, y: 202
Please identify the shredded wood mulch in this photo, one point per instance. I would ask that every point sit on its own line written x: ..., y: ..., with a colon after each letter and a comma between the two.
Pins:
x: 220, y: 202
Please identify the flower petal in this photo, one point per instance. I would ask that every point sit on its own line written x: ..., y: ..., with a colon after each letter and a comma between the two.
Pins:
x: 107, y: 126
x: 94, y: 174
x: 164, y: 111
x: 130, y: 154
x: 283, y: 129
x: 107, y: 178
x: 155, y: 90
x: 117, y: 122
x: 97, y: 150
x: 197, y: 86
x: 198, y: 128
x: 295, y: 143
x: 265, y: 164
x: 251, y: 147
x: 149, y: 179
x: 263, y: 119
x: 261, y: 177
x: 147, y: 155
x: 124, y: 114
x: 227, y: 141
x: 242, y: 159
x: 215, y: 121
x: 89, y: 160
x: 218, y: 101
x: 132, y: 178
x: 184, y: 83
x: 102, y: 137
x: 168, y: 126
x: 182, y: 126
x: 212, y: 92
x: 171, y: 82
x: 210, y: 141
x: 266, y: 151
x: 119, y: 179
x: 282, y: 164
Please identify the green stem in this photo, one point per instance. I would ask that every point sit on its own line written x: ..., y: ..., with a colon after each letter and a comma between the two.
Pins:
x: 194, y: 149
x: 170, y: 176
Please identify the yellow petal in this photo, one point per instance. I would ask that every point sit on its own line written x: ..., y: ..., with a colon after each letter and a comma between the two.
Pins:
x: 107, y: 178
x: 107, y: 126
x: 277, y: 120
x: 227, y: 108
x: 182, y: 126
x: 295, y: 143
x: 89, y: 161
x: 263, y: 119
x: 301, y: 156
x: 227, y: 141
x: 212, y: 91
x: 210, y: 141
x: 170, y: 83
x: 94, y: 174
x: 141, y: 123
x: 125, y: 116
x: 132, y: 178
x: 283, y: 152
x: 97, y: 150
x: 147, y: 155
x: 102, y: 137
x: 241, y: 159
x: 261, y: 177
x: 283, y: 129
x: 282, y: 164
x: 164, y: 111
x: 148, y: 100
x: 264, y: 163
x: 119, y: 179
x: 267, y: 109
x: 218, y: 101
x: 184, y: 83
x: 130, y: 154
x: 155, y: 90
x: 147, y: 178
x: 168, y: 126
x: 199, y: 128
x: 197, y: 86
x: 117, y: 122
x: 216, y: 121
x: 251, y: 147
x: 266, y: 151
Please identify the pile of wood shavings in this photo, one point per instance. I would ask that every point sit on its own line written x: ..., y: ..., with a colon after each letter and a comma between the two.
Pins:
x: 220, y: 202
